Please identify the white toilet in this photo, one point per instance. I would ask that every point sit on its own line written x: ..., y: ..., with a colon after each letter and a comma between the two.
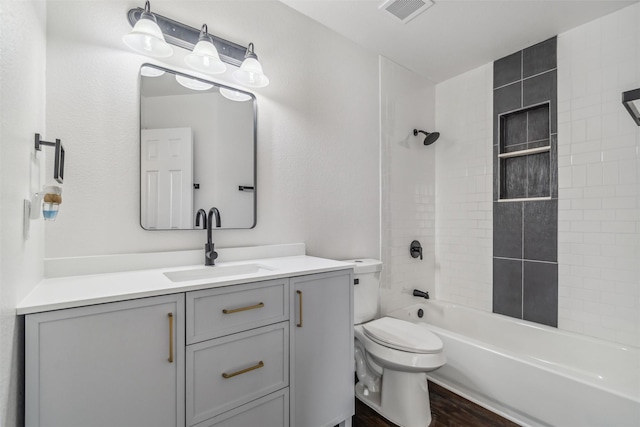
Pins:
x: 392, y: 356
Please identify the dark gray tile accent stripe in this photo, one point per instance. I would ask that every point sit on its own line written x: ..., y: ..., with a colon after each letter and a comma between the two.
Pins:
x: 541, y: 230
x: 507, y: 70
x: 525, y: 234
x: 540, y: 293
x: 539, y: 58
x: 553, y: 166
x: 514, y: 178
x: 507, y: 287
x: 537, y: 182
x: 507, y: 230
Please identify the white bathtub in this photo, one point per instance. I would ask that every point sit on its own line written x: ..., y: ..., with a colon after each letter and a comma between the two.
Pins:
x: 532, y: 374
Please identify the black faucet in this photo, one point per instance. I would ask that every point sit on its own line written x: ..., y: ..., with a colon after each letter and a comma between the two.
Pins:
x: 419, y: 293
x: 210, y: 254
x: 201, y: 214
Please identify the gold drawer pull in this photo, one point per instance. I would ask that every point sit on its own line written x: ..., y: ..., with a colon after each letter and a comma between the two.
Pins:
x: 170, y: 337
x: 236, y: 310
x: 299, y: 324
x: 244, y: 371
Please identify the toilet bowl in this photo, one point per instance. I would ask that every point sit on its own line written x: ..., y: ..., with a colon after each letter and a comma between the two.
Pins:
x: 392, y: 356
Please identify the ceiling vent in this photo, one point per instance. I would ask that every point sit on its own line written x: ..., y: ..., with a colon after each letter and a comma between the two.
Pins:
x: 406, y: 10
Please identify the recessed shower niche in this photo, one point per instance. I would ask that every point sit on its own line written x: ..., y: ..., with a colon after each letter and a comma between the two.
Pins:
x: 524, y: 153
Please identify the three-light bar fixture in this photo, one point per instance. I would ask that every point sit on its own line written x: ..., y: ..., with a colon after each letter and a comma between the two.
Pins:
x: 152, y: 34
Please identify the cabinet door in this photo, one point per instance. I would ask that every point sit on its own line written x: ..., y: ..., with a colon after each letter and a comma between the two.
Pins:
x: 322, y: 358
x: 118, y: 364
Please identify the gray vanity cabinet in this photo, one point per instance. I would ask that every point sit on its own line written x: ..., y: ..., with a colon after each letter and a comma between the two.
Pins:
x: 238, y: 352
x: 117, y: 364
x: 274, y: 353
x: 322, y: 392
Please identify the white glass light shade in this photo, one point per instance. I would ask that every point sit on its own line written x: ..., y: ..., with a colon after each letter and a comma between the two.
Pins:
x: 234, y: 95
x: 147, y: 38
x: 151, y: 72
x: 205, y: 58
x: 250, y: 74
x: 193, y: 84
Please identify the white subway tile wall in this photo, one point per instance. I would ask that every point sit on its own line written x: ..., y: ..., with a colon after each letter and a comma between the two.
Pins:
x: 408, y: 184
x: 599, y: 179
x: 464, y: 189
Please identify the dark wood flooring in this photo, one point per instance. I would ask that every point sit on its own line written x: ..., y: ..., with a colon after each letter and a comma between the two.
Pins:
x: 447, y: 409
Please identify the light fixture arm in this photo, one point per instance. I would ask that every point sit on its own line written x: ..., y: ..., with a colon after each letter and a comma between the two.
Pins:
x: 147, y: 12
x: 250, y: 53
x: 204, y: 33
x: 186, y: 37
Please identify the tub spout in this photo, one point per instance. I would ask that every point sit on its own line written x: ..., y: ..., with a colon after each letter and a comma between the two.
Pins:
x: 419, y: 293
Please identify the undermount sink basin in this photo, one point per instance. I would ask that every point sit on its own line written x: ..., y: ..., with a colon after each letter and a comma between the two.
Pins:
x: 215, y: 271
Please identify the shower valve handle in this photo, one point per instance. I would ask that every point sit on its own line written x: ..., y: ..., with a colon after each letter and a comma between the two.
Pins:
x: 415, y: 249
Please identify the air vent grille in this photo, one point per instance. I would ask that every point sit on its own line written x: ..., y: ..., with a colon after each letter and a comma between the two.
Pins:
x: 406, y: 10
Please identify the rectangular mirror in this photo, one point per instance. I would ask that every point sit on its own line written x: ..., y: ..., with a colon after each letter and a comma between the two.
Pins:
x: 197, y: 151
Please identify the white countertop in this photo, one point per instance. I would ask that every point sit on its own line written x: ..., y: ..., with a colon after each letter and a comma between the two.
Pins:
x: 75, y: 291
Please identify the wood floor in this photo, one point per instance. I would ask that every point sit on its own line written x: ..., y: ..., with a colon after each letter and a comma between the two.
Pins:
x: 447, y: 408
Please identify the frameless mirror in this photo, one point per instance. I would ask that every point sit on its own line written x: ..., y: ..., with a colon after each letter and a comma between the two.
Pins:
x: 197, y: 151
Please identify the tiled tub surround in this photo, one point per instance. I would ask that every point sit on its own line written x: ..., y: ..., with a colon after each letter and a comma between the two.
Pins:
x: 525, y: 190
x: 532, y: 374
x: 599, y: 179
x: 598, y: 182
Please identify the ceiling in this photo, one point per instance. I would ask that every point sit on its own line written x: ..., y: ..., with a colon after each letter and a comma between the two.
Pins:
x: 453, y: 36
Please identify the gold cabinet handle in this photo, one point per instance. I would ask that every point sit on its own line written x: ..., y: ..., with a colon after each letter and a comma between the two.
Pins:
x: 170, y: 337
x: 244, y: 371
x: 236, y: 310
x: 299, y: 324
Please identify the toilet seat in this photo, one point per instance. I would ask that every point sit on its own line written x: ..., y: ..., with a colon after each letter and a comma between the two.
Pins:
x: 391, y: 358
x: 402, y: 335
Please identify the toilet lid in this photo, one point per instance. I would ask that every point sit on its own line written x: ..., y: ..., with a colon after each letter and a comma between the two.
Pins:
x: 402, y: 335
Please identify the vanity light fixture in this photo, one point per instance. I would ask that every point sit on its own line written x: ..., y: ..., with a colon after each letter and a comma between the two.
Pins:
x: 146, y: 36
x: 631, y: 101
x: 234, y: 95
x: 151, y: 72
x: 186, y: 37
x: 192, y: 84
x: 250, y: 73
x: 205, y: 57
x: 208, y: 51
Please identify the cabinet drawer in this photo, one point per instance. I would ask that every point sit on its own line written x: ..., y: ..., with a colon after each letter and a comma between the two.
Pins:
x: 213, y: 313
x: 269, y: 411
x: 230, y: 371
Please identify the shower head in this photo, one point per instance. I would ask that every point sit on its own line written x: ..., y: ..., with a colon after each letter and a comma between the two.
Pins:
x: 429, y: 137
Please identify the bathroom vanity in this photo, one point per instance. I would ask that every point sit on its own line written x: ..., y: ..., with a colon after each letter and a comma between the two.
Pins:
x: 262, y: 343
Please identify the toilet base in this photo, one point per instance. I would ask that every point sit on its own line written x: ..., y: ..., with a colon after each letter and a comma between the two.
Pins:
x: 403, y: 398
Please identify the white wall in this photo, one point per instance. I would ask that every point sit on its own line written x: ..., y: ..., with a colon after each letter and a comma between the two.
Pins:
x: 318, y: 155
x: 22, y: 112
x: 464, y: 189
x: 599, y: 179
x: 599, y: 182
x: 408, y: 184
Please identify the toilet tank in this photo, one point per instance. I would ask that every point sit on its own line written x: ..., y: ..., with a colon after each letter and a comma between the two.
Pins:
x: 366, y: 289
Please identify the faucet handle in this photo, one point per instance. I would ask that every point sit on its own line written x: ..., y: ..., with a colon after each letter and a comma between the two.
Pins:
x: 210, y: 254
